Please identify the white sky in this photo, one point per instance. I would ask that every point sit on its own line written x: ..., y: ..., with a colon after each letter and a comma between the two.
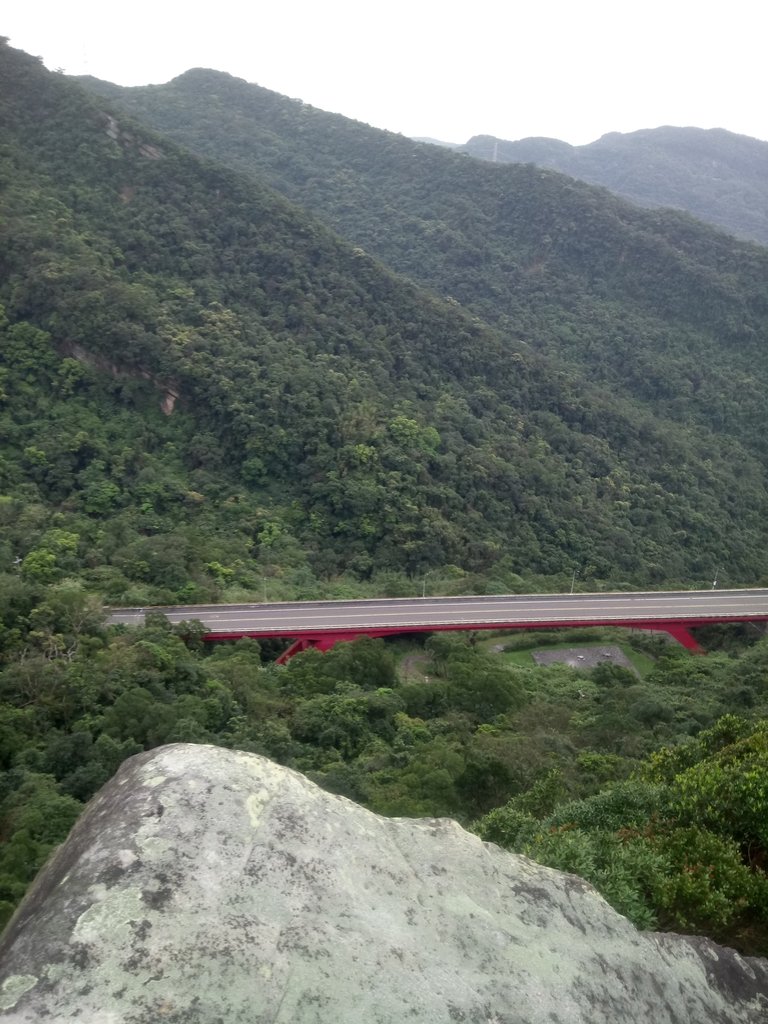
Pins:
x: 511, y: 68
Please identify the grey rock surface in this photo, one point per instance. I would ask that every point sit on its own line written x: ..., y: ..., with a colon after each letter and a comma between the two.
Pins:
x: 207, y: 886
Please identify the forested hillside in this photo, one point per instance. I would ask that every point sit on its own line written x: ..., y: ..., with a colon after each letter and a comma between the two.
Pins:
x: 653, y: 307
x: 717, y: 176
x: 333, y: 415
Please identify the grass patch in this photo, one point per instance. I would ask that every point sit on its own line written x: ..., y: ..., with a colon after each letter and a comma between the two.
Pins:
x: 520, y: 658
x: 642, y: 662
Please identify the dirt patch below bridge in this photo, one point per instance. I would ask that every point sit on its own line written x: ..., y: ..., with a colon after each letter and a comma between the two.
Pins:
x: 584, y: 657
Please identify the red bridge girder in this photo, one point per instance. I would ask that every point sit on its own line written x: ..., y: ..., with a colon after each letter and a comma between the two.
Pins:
x: 323, y: 640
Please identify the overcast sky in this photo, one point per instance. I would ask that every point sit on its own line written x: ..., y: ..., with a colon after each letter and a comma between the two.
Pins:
x: 569, y: 69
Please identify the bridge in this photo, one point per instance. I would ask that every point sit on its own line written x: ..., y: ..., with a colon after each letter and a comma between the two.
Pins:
x: 322, y: 624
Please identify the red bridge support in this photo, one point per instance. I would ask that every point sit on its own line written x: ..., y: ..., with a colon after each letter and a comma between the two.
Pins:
x: 325, y: 642
x: 320, y: 643
x: 296, y: 648
x: 683, y: 636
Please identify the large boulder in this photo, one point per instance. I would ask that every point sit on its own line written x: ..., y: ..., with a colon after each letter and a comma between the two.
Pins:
x: 207, y: 886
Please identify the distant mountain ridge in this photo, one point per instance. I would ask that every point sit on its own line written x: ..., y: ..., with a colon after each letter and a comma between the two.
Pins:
x: 716, y: 175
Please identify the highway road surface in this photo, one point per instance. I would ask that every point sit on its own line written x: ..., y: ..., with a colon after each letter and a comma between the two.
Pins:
x: 314, y: 618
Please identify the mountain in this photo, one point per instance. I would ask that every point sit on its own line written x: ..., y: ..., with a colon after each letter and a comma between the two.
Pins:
x: 643, y: 304
x: 717, y: 176
x: 210, y: 885
x: 330, y: 415
x: 438, y: 142
x: 643, y: 310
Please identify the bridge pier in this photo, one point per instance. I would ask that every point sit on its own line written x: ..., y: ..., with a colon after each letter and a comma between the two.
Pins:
x: 683, y: 636
x: 320, y: 643
x: 296, y: 648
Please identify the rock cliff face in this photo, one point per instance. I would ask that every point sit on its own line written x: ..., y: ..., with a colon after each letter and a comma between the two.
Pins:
x: 204, y: 885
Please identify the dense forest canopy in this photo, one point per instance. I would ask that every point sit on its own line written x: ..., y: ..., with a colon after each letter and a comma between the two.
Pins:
x: 652, y: 306
x: 367, y: 423
x: 491, y: 377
